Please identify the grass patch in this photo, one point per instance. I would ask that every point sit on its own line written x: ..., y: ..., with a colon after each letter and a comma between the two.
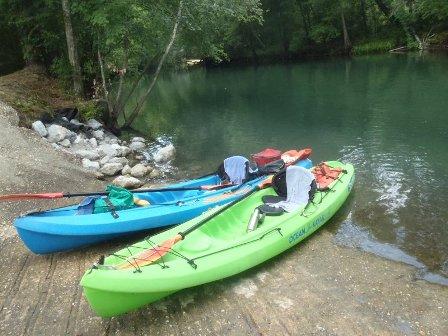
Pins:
x: 373, y: 47
x: 89, y: 109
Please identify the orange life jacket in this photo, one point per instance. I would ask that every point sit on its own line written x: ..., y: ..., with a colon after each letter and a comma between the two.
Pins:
x: 292, y: 156
x: 325, y: 175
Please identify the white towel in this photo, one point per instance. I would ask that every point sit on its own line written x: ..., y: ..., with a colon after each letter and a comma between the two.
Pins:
x: 235, y: 168
x: 298, y: 185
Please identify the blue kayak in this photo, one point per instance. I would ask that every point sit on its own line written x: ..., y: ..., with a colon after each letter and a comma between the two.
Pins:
x: 63, y: 229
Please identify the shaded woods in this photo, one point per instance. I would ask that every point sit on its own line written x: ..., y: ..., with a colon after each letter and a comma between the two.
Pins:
x: 102, y: 49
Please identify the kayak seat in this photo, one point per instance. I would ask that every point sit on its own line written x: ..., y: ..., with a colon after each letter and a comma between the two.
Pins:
x: 272, y: 199
x: 270, y: 211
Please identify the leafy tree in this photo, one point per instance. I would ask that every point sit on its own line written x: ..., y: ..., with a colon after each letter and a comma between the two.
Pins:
x: 130, y: 42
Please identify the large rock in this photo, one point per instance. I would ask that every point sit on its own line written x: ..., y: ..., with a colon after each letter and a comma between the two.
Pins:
x: 116, y: 146
x: 110, y: 140
x: 106, y: 149
x: 65, y: 143
x: 93, y: 142
x: 98, y: 134
x: 155, y: 173
x: 94, y: 124
x: 139, y: 170
x: 121, y: 160
x: 88, y: 154
x: 111, y: 159
x: 90, y: 165
x: 127, y: 182
x: 111, y: 169
x: 126, y: 170
x: 76, y: 122
x: 80, y: 138
x: 72, y: 136
x: 165, y: 154
x: 137, y: 146
x: 123, y: 150
x: 57, y: 133
x: 138, y: 139
x: 40, y: 128
x: 105, y: 160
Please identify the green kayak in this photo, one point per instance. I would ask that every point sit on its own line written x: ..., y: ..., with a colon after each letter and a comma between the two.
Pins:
x: 220, y: 248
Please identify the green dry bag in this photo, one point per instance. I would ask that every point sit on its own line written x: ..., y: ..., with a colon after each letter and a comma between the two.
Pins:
x: 120, y: 198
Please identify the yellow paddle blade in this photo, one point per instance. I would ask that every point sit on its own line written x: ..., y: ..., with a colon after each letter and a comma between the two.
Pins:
x: 150, y: 255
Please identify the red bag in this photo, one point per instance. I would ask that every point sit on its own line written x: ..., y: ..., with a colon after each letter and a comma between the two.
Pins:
x: 265, y: 156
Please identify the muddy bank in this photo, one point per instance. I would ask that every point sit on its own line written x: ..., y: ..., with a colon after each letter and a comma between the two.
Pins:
x: 317, y: 288
x: 33, y: 93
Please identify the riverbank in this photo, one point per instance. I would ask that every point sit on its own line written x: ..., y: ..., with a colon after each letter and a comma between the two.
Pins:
x: 68, y: 124
x: 318, y: 288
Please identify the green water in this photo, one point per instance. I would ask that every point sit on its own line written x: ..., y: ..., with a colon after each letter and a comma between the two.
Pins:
x: 388, y: 115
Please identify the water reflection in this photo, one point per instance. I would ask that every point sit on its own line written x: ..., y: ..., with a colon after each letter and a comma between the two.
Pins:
x: 385, y: 114
x: 348, y: 234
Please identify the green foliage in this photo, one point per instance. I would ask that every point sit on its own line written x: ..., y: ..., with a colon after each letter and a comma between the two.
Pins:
x: 421, y: 17
x: 10, y: 54
x: 61, y: 68
x: 373, y: 47
x: 39, y: 26
x: 208, y: 25
x: 89, y: 109
x: 441, y: 38
x: 322, y: 34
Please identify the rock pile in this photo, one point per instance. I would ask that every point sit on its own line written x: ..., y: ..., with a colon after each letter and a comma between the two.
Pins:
x: 105, y: 155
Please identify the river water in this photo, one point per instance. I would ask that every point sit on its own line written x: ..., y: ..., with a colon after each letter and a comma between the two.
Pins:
x: 388, y: 115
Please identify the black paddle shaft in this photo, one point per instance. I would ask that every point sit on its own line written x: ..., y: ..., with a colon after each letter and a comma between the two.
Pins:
x: 104, y: 193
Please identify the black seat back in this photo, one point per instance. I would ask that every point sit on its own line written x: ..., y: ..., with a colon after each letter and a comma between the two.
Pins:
x: 279, y: 185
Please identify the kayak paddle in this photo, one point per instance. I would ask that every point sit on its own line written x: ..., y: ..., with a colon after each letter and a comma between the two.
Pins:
x: 20, y: 197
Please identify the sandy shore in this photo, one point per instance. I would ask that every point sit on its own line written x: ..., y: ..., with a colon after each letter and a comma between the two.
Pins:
x: 317, y: 288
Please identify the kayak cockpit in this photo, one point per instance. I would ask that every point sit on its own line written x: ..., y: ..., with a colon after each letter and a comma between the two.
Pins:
x: 162, y: 197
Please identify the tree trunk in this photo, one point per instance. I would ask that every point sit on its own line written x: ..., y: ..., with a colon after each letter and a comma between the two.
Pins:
x: 122, y: 104
x: 142, y: 100
x: 105, y: 91
x: 347, y: 43
x: 72, y: 51
x: 422, y: 43
x: 122, y: 73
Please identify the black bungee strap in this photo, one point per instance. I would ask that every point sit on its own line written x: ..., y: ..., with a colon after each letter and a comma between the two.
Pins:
x: 111, y: 207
